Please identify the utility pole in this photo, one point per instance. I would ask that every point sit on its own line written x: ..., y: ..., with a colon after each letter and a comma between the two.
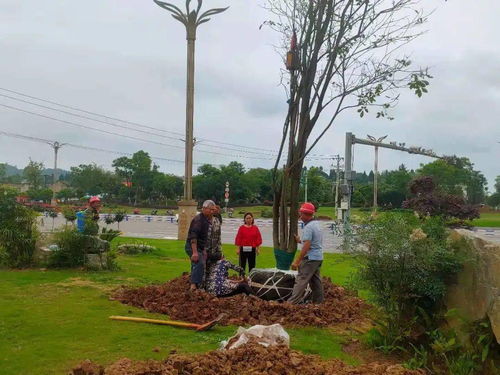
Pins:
x: 338, y: 158
x: 346, y: 187
x: 375, y: 172
x: 56, y: 146
x: 305, y: 188
x: 226, y: 197
x: 191, y: 19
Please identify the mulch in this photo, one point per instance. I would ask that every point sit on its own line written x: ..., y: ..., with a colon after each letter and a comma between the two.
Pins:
x: 252, y: 359
x: 176, y: 300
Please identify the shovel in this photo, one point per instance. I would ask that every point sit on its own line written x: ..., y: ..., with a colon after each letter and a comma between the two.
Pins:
x: 173, y: 323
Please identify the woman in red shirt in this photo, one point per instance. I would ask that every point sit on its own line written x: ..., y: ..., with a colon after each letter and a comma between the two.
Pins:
x: 248, y: 241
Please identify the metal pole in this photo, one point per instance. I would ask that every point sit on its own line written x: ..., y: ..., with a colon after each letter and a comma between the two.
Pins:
x: 375, y: 182
x: 56, y: 150
x: 191, y: 39
x: 305, y: 198
x: 346, y: 197
x: 337, y: 185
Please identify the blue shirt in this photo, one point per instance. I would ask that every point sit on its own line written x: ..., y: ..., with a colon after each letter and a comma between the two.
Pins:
x: 312, y: 232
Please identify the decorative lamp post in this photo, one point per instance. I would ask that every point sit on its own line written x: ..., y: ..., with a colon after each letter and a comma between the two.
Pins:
x: 191, y: 19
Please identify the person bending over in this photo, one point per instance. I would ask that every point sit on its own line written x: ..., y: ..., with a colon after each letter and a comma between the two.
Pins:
x: 219, y: 284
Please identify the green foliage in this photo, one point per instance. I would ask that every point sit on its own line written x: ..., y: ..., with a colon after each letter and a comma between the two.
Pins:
x: 457, y: 176
x: 93, y: 180
x: 69, y: 214
x: 266, y: 213
x: 18, y: 231
x: 66, y: 194
x: 33, y: 174
x: 109, y: 234
x: 406, y: 268
x: 74, y: 247
x: 44, y: 195
x: 3, y: 171
x: 119, y: 217
x: 71, y: 249
x: 135, y: 248
x: 494, y: 200
x: 109, y: 219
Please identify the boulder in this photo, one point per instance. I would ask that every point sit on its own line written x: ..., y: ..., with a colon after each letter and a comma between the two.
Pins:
x: 476, y: 294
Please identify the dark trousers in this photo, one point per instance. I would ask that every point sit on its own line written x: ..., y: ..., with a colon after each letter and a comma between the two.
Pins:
x: 243, y: 287
x: 308, y: 275
x: 198, y: 268
x: 247, y: 256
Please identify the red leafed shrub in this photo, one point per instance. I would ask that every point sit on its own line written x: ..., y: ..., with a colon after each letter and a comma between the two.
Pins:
x: 428, y: 201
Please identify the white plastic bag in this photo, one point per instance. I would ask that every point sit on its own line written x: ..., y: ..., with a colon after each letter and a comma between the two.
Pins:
x: 264, y: 335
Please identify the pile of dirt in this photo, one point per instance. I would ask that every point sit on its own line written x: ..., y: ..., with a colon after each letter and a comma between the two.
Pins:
x: 251, y: 359
x: 176, y: 300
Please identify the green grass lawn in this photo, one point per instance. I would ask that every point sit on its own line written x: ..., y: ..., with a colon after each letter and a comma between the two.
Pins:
x: 489, y: 219
x: 50, y: 320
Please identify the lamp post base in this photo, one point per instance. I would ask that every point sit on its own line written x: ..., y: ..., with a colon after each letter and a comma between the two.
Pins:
x: 187, y: 210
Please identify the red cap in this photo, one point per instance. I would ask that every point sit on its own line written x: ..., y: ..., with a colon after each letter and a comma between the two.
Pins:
x: 308, y: 208
x: 94, y: 199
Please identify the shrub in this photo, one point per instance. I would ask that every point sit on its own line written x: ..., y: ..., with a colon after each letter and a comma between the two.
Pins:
x: 109, y: 234
x: 18, y: 231
x: 71, y: 249
x: 69, y: 214
x: 406, y: 268
x: 119, y: 217
x: 135, y: 248
x: 74, y: 248
x: 266, y: 213
x: 109, y: 219
x: 426, y: 200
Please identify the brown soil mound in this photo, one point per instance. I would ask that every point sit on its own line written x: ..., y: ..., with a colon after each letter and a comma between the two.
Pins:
x: 175, y: 300
x: 247, y: 360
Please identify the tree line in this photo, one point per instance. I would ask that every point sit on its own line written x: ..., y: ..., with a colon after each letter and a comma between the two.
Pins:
x: 137, y: 180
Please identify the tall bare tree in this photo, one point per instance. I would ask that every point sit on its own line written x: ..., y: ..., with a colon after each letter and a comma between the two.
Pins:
x: 344, y: 55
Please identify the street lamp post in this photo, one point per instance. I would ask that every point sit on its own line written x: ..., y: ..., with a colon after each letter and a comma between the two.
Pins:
x: 375, y: 173
x: 191, y: 19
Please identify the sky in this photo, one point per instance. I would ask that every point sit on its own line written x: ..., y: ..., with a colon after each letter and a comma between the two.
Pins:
x: 126, y: 59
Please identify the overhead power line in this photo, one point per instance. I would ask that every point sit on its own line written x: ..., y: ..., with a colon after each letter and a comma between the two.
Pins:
x: 242, y: 147
x: 207, y: 142
x: 126, y: 136
x: 46, y: 141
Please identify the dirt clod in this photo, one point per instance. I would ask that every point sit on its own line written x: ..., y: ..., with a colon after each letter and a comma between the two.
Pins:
x: 174, y: 299
x: 252, y: 359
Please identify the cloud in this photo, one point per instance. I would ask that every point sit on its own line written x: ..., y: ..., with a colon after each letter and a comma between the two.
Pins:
x: 126, y: 59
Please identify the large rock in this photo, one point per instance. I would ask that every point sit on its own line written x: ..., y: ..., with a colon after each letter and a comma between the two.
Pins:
x: 476, y: 295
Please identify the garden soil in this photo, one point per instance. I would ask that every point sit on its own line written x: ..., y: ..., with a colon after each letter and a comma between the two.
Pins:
x: 176, y: 300
x: 252, y: 359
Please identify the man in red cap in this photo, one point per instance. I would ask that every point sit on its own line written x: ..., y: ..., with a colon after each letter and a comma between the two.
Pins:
x: 87, y: 221
x: 310, y: 258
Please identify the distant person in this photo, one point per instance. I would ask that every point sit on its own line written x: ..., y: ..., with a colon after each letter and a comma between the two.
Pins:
x: 87, y: 221
x: 248, y: 242
x: 219, y: 284
x: 196, y: 243
x: 310, y: 258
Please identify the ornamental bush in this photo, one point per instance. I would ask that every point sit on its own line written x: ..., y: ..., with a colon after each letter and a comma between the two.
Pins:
x: 18, y: 231
x: 406, y: 264
x: 135, y: 248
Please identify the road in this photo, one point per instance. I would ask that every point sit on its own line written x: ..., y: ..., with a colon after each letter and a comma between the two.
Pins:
x: 165, y: 227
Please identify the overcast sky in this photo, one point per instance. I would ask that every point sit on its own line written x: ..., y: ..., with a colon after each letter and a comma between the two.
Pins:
x: 126, y: 59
